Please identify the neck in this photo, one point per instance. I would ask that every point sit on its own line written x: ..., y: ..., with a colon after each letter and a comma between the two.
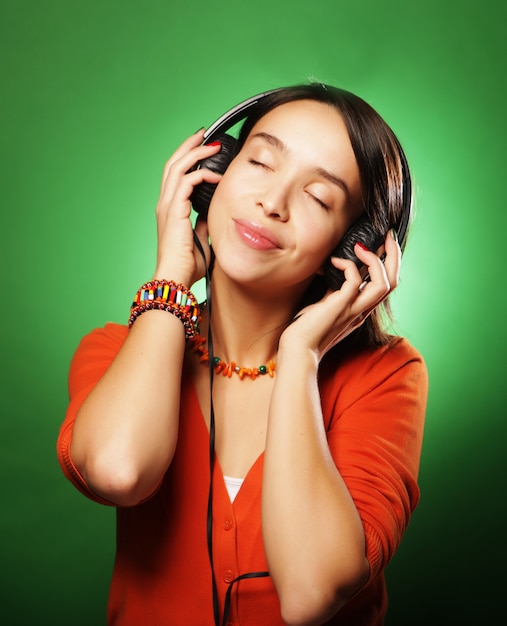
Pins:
x: 247, y: 323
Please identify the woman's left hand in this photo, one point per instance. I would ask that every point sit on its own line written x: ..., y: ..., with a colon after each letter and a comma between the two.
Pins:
x: 322, y: 325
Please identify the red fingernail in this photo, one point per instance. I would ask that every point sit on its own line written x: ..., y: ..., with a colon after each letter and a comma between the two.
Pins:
x: 362, y: 246
x: 214, y: 143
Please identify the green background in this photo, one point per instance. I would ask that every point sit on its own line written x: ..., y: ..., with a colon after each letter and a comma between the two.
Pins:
x: 95, y: 96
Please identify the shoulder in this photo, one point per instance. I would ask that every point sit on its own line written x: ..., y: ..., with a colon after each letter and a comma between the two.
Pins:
x: 94, y: 354
x: 107, y: 336
x: 354, y: 372
x: 100, y: 342
x: 397, y: 352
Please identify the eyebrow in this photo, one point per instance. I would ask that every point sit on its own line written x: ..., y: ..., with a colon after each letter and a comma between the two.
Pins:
x: 321, y: 171
x: 333, y: 179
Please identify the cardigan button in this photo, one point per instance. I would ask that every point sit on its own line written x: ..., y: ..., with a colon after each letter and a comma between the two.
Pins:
x: 228, y: 524
x: 228, y: 576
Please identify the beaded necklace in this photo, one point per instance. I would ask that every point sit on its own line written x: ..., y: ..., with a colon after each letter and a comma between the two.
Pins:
x: 227, y: 369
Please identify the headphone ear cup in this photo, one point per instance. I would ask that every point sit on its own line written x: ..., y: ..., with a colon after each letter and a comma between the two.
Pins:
x: 363, y: 231
x: 202, y: 194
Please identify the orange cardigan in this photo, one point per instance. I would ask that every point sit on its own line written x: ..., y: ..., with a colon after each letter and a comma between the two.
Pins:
x: 373, y: 403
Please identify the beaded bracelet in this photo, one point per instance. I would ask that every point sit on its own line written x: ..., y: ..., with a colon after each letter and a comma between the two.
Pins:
x: 166, y: 295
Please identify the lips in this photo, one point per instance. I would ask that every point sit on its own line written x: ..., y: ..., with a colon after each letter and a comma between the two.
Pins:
x: 256, y: 236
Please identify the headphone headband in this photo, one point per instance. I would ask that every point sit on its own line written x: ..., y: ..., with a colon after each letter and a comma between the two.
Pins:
x: 236, y: 113
x: 406, y: 209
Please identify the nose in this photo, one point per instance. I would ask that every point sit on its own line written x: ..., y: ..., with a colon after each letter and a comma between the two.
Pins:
x: 273, y: 200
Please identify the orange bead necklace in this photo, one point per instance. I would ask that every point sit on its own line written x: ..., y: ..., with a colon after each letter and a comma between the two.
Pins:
x: 228, y: 369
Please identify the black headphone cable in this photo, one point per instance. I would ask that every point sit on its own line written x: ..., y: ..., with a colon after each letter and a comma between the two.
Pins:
x: 209, y: 525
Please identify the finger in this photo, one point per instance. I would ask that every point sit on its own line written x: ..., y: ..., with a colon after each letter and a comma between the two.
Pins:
x: 180, y: 193
x: 190, y: 142
x: 353, y: 277
x: 392, y: 262
x: 377, y: 282
x: 186, y: 157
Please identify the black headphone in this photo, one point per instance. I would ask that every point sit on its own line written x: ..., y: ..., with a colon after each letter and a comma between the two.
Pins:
x: 363, y: 231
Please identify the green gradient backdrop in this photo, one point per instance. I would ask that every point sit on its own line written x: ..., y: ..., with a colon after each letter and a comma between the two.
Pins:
x: 95, y: 96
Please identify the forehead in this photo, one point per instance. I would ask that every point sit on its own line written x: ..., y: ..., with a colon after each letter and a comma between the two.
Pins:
x: 312, y: 132
x: 306, y: 116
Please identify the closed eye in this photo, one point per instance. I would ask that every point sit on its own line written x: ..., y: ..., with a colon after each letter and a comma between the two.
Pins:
x: 319, y: 201
x: 258, y: 163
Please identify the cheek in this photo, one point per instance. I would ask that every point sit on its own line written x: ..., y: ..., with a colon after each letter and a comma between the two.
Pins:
x: 217, y: 209
x: 224, y: 192
x: 213, y: 221
x: 320, y: 240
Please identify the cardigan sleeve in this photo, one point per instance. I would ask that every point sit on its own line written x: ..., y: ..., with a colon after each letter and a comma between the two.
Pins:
x: 374, y: 406
x: 91, y: 359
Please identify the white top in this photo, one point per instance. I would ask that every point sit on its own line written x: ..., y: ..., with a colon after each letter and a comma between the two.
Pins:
x: 233, y: 486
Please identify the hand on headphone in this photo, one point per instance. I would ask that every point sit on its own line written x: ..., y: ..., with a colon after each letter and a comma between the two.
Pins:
x: 322, y: 325
x: 177, y: 257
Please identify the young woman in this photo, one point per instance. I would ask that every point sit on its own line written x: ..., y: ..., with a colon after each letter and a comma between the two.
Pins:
x: 292, y: 510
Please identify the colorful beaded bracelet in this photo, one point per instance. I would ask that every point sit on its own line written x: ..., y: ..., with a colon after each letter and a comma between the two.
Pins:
x: 166, y: 295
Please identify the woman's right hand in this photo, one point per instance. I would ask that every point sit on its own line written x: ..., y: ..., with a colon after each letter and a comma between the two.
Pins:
x: 177, y: 256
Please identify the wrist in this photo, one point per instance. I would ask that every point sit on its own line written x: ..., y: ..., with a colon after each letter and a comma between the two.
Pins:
x: 173, y: 274
x: 169, y: 296
x: 293, y: 355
